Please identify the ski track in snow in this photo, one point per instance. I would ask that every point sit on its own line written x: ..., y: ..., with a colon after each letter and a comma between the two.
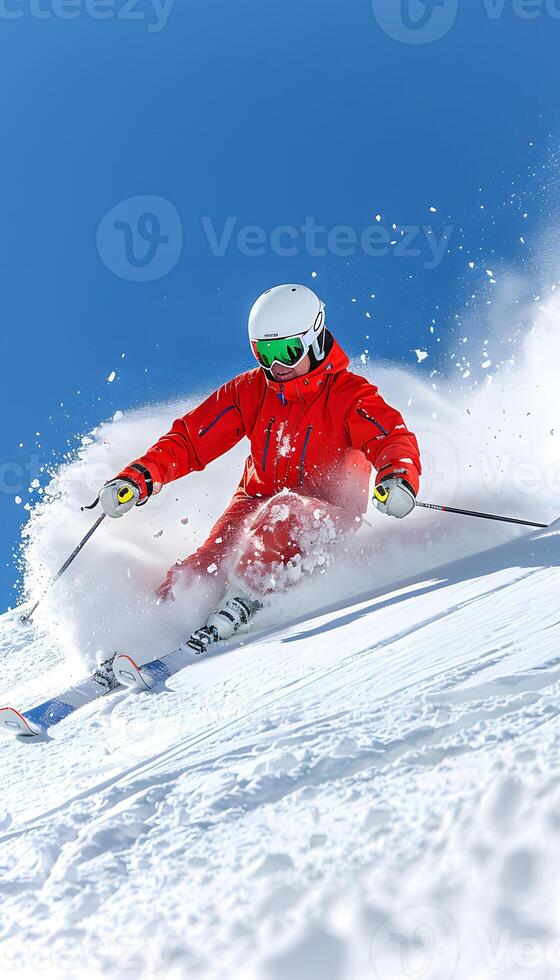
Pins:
x: 372, y: 792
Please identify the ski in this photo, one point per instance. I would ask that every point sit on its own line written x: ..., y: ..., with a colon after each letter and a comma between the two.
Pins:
x: 14, y: 723
x: 128, y: 676
x: 37, y: 721
x: 144, y: 677
x: 139, y: 678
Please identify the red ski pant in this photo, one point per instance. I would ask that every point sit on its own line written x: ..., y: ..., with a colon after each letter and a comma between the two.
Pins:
x: 256, y: 535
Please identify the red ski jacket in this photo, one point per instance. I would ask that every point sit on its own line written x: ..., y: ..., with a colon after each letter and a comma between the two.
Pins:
x: 318, y: 435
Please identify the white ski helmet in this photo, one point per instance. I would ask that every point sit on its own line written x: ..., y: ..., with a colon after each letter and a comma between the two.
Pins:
x: 285, y: 323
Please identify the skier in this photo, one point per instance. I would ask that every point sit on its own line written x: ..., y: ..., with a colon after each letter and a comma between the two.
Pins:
x: 315, y: 431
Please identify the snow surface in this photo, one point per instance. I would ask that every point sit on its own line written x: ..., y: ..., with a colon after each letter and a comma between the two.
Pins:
x: 371, y: 789
x: 370, y: 792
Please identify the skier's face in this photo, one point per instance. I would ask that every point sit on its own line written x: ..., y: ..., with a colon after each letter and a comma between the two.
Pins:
x: 281, y: 372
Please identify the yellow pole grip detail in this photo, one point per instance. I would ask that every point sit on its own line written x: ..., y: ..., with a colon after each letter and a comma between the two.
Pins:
x: 381, y: 494
x: 124, y: 495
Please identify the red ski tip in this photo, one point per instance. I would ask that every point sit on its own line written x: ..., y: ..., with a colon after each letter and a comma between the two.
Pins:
x: 14, y: 723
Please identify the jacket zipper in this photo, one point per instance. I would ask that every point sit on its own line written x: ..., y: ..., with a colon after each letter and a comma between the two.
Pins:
x: 202, y: 432
x: 304, y: 452
x: 365, y: 415
x: 267, y: 442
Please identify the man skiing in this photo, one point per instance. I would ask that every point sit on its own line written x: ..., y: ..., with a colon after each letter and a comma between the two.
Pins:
x: 315, y: 431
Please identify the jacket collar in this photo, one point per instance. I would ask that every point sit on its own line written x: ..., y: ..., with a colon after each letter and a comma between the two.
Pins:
x: 306, y: 387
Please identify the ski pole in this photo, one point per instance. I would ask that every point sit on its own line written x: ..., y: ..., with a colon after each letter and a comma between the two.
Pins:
x: 474, y: 513
x: 26, y: 617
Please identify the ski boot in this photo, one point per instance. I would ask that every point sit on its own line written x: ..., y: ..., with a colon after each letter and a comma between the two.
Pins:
x: 236, y: 609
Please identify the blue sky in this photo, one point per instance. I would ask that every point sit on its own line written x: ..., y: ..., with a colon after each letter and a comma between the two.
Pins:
x: 265, y: 114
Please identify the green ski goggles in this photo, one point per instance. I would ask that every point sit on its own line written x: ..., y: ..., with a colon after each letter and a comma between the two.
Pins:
x: 288, y: 351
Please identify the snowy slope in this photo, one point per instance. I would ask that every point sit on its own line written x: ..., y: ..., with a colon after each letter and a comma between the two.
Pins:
x: 372, y: 792
x: 372, y: 789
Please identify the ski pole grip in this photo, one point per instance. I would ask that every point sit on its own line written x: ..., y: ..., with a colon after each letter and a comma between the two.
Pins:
x: 124, y: 495
x: 381, y: 493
